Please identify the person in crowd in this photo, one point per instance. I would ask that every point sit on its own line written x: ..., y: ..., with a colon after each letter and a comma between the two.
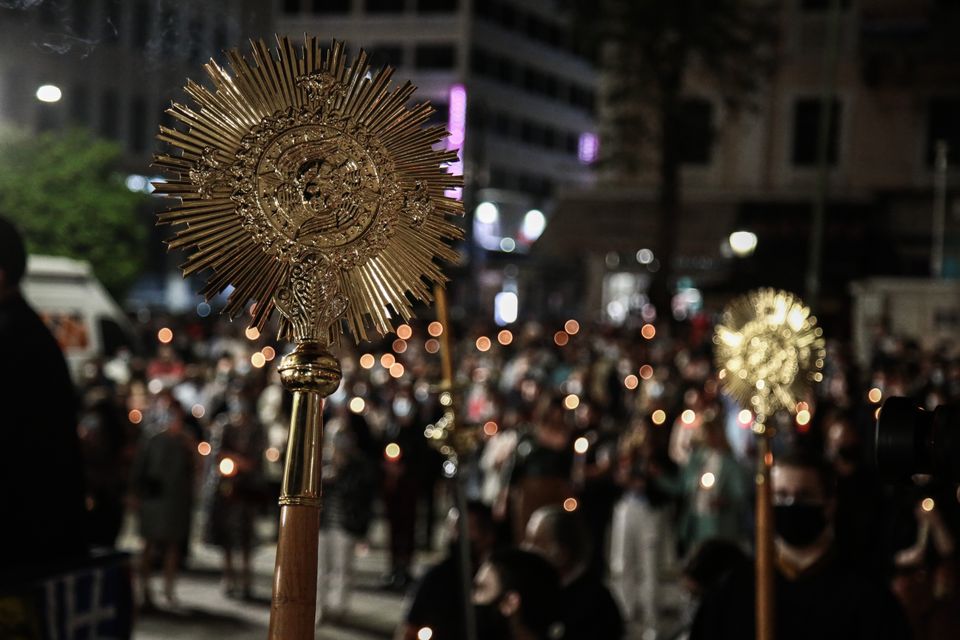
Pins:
x: 542, y: 466
x: 714, y: 487
x: 103, y: 438
x: 860, y: 501
x: 924, y: 563
x: 516, y: 596
x: 595, y: 477
x: 588, y: 608
x: 235, y: 486
x: 349, y: 486
x: 401, y: 485
x: 438, y: 599
x: 42, y: 493
x: 641, y: 519
x: 162, y: 484
x: 816, y: 595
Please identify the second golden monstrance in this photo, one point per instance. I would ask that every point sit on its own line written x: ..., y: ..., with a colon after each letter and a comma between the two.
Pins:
x: 769, y: 351
x: 311, y: 188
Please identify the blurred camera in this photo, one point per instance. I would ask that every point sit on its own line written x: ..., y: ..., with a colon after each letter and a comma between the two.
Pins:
x: 912, y: 441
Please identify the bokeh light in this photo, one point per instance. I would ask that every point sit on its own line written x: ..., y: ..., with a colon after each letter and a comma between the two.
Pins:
x: 399, y: 345
x: 646, y: 372
x: 252, y: 333
x: 435, y: 329
x: 357, y: 405
x: 688, y: 416
x: 272, y: 454
x: 570, y: 504
x: 258, y: 360
x: 874, y: 395
x: 165, y: 335
x: 135, y: 416
x: 228, y: 467
x: 658, y: 417
x: 387, y: 360
x: 269, y: 353
x: 631, y: 382
x: 490, y: 428
x: 431, y: 345
x: 561, y: 338
x: 505, y: 337
x: 197, y: 411
x: 396, y: 370
x: 483, y: 343
x: 204, y: 448
x: 648, y: 331
x: 571, y: 402
x: 581, y: 444
x: 571, y: 326
x: 707, y: 480
x: 404, y: 332
x: 367, y: 361
x: 392, y: 451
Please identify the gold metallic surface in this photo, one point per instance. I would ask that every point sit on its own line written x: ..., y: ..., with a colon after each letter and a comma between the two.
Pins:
x: 768, y: 350
x: 312, y: 188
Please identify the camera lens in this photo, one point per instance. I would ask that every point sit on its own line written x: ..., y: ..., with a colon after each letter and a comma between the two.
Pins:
x: 904, y: 439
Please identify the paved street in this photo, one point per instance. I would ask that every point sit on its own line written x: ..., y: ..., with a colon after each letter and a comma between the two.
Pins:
x: 205, y: 612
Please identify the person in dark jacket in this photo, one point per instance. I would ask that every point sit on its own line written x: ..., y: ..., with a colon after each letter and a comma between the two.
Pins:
x: 42, y: 493
x: 588, y: 610
x: 816, y: 595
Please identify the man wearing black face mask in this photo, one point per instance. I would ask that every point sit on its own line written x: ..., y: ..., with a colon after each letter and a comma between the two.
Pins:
x: 860, y: 511
x: 817, y: 596
x: 516, y: 597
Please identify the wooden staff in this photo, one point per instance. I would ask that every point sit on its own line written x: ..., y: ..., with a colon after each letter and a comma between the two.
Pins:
x: 311, y: 374
x: 463, y: 543
x: 764, y: 538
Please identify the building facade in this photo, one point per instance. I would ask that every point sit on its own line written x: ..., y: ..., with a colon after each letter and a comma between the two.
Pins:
x: 896, y: 94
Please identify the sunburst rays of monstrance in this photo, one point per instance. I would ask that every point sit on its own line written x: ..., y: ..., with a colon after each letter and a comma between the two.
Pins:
x: 769, y: 351
x: 310, y: 187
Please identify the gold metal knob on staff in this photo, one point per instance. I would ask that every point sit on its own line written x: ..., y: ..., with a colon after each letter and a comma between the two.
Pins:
x: 310, y: 187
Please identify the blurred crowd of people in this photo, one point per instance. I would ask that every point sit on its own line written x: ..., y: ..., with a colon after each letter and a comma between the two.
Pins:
x: 623, y: 430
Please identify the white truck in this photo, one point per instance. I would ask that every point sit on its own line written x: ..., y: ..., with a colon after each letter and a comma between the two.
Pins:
x: 926, y: 310
x: 80, y: 313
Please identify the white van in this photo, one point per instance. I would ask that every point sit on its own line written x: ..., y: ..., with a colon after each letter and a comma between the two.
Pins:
x: 80, y: 313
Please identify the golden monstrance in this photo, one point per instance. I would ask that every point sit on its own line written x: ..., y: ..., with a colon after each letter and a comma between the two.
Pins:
x: 311, y: 188
x: 769, y: 351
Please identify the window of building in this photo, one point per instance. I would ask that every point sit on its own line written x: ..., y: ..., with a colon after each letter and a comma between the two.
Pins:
x: 48, y: 13
x: 137, y: 136
x: 943, y: 123
x: 111, y: 20
x: 109, y: 112
x: 47, y: 116
x: 806, y: 132
x: 822, y: 5
x: 79, y: 105
x: 291, y: 6
x: 438, y: 6
x: 80, y: 19
x: 435, y: 56
x: 696, y: 131
x: 169, y: 23
x: 503, y: 124
x: 385, y: 55
x: 331, y: 6
x: 197, y: 48
x: 219, y: 39
x: 385, y: 6
x: 141, y: 24
x: 441, y: 114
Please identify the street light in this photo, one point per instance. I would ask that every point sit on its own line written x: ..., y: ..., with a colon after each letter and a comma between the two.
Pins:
x: 487, y: 213
x: 743, y: 243
x: 49, y: 93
